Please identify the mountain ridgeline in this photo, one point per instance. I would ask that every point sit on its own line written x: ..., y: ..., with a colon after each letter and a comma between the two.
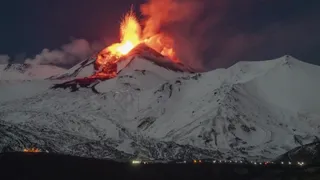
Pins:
x: 157, y: 109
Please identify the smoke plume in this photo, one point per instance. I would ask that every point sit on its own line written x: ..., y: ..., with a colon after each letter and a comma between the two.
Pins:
x: 68, y: 55
x: 183, y: 20
x: 161, y: 13
x: 210, y: 34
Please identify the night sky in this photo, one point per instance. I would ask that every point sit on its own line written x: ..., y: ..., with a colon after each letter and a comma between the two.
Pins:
x: 220, y: 32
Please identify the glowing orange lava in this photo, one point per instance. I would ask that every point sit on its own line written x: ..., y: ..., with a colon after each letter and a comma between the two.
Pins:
x: 130, y: 32
x: 130, y: 37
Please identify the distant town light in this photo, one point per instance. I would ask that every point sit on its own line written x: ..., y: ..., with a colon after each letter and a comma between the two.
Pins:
x: 31, y: 150
x: 136, y: 162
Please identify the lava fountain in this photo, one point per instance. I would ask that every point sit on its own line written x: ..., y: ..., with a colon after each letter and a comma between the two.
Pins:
x: 130, y: 31
x: 130, y: 37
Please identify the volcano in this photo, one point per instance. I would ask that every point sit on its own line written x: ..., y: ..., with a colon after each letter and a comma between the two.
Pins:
x: 252, y: 110
x: 142, y: 57
x: 136, y: 99
x: 156, y: 48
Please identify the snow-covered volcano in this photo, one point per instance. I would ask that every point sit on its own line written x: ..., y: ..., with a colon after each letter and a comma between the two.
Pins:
x: 141, y: 57
x: 250, y: 110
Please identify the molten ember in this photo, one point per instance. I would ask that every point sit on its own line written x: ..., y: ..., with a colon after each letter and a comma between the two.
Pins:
x: 130, y: 32
x: 33, y: 150
x: 130, y: 37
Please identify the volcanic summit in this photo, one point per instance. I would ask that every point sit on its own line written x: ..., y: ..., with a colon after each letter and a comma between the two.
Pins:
x: 141, y: 57
x: 157, y: 49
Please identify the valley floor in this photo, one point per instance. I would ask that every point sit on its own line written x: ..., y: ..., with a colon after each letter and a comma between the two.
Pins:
x: 52, y: 166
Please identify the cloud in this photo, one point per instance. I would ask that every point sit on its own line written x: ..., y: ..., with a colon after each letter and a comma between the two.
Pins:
x: 191, y: 23
x: 160, y: 13
x: 4, y: 59
x: 211, y: 34
x: 69, y: 54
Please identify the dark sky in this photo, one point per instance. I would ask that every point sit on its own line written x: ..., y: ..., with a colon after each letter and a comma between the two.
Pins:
x: 223, y: 31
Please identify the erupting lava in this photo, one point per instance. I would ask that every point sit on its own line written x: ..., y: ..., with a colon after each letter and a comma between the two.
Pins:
x: 130, y: 32
x: 130, y: 37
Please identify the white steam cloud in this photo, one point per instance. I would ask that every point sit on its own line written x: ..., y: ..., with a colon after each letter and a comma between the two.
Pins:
x: 68, y: 55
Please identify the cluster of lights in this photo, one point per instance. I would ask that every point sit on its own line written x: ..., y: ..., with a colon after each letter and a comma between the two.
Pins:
x: 215, y: 161
x: 300, y: 163
x: 34, y: 150
x: 140, y: 162
x: 31, y: 150
x: 195, y: 161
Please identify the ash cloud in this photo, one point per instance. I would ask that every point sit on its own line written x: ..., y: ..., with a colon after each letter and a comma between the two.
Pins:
x: 4, y: 59
x: 169, y: 16
x: 212, y: 34
x: 68, y: 55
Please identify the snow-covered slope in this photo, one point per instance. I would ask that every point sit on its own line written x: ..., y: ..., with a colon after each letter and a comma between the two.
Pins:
x: 81, y: 70
x: 250, y: 110
x: 309, y: 154
x: 13, y: 72
x: 15, y: 90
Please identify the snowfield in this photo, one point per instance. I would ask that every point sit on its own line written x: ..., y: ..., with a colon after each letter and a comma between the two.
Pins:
x: 19, y: 72
x: 252, y: 110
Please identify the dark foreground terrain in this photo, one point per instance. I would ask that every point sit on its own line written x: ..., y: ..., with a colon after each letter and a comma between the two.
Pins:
x: 52, y: 166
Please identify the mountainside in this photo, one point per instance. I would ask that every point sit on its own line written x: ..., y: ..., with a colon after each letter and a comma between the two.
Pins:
x: 14, y: 72
x: 309, y: 154
x: 25, y: 80
x: 252, y: 110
